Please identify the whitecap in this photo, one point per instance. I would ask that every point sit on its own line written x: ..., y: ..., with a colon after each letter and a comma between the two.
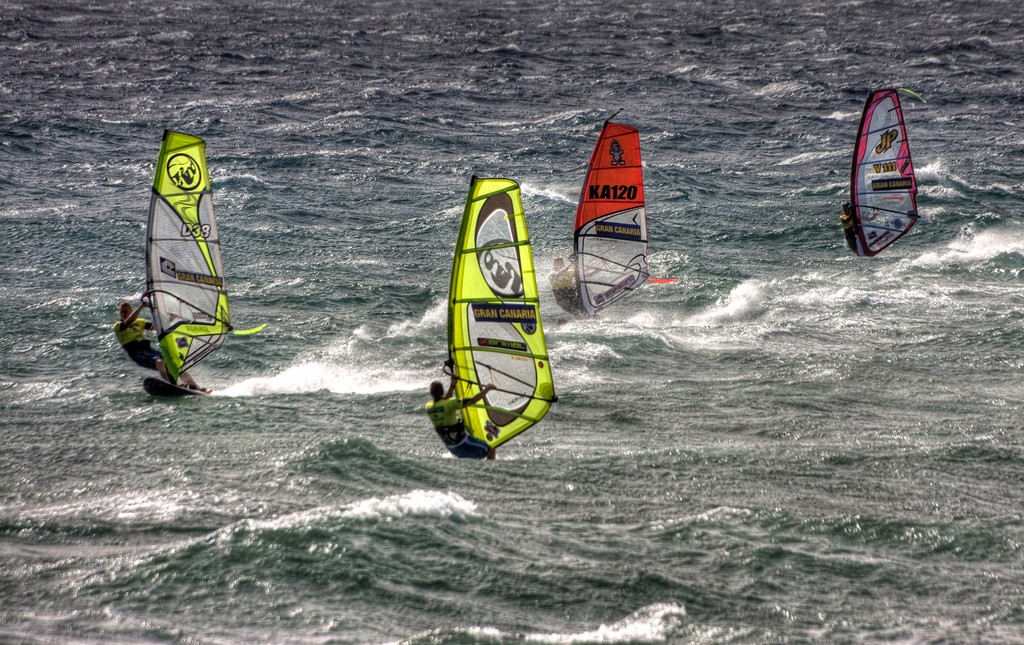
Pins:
x: 744, y: 301
x: 652, y: 624
x: 971, y: 249
x: 418, y: 503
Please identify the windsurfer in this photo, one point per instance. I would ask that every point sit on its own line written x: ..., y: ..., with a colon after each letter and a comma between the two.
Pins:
x: 849, y: 224
x: 130, y: 331
x: 565, y: 286
x: 445, y: 414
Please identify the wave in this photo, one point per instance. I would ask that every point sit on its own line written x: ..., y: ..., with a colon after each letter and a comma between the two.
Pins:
x: 931, y: 172
x: 745, y: 301
x: 806, y: 157
x: 843, y: 115
x: 549, y: 193
x: 417, y: 503
x: 652, y: 624
x: 971, y: 250
x: 435, y: 504
x: 657, y: 623
x: 315, y: 376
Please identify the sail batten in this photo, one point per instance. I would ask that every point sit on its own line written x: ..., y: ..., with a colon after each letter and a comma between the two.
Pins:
x: 495, y: 334
x: 184, y: 268
x: 883, y: 186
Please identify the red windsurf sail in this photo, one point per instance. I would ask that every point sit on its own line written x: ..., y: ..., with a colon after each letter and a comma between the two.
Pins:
x: 611, y: 220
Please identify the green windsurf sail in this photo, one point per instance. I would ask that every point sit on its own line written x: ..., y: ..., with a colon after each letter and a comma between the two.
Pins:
x: 494, y: 328
x: 184, y: 270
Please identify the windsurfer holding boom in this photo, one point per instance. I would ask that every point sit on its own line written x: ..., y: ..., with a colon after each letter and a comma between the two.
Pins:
x: 130, y: 331
x: 446, y: 415
x: 565, y: 286
x: 849, y: 224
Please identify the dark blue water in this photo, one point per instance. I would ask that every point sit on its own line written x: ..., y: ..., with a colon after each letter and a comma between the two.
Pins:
x: 790, y: 445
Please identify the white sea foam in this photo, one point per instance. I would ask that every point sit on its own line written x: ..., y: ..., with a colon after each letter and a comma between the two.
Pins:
x: 359, y: 363
x: 420, y: 503
x: 843, y: 115
x: 718, y: 514
x: 313, y: 376
x: 656, y: 623
x: 651, y: 624
x: 973, y: 248
x: 779, y: 88
x: 436, y: 316
x: 745, y: 300
x: 805, y: 157
x: 416, y: 503
x: 931, y: 172
x: 223, y: 175
x: 684, y: 69
x: 529, y: 191
x: 940, y: 192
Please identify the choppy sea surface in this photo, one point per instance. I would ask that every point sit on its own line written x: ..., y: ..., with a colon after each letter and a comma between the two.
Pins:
x: 789, y: 445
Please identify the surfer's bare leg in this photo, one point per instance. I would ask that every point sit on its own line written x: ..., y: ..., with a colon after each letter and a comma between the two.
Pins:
x: 187, y: 379
x: 160, y: 367
x: 490, y: 453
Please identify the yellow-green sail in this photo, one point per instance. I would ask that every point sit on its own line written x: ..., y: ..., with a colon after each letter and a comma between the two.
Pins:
x: 494, y: 328
x: 184, y: 271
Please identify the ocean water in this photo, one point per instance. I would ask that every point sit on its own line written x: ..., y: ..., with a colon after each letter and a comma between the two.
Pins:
x: 789, y: 445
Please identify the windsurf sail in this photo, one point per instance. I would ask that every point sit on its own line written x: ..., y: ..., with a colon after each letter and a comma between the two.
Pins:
x: 184, y: 271
x: 883, y: 188
x: 494, y: 328
x: 610, y: 236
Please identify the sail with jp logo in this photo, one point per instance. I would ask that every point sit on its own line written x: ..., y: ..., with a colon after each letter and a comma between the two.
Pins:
x: 610, y: 238
x: 883, y: 187
x: 494, y: 327
x: 184, y: 271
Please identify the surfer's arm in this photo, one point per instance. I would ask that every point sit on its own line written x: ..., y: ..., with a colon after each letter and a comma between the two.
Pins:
x: 479, y: 395
x: 451, y: 387
x: 130, y: 320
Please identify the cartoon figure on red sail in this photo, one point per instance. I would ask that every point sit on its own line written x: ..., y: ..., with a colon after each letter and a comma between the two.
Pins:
x: 616, y: 151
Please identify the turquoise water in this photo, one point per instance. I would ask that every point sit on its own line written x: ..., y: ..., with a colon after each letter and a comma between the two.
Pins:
x: 789, y: 445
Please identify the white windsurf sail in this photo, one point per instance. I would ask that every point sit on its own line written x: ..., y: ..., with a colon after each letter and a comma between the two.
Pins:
x: 883, y: 187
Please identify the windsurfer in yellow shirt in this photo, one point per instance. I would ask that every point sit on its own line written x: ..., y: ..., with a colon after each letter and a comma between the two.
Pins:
x: 849, y: 224
x: 131, y: 333
x: 446, y: 415
x: 565, y: 286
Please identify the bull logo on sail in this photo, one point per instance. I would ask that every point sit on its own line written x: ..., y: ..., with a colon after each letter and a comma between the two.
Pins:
x: 184, y: 172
